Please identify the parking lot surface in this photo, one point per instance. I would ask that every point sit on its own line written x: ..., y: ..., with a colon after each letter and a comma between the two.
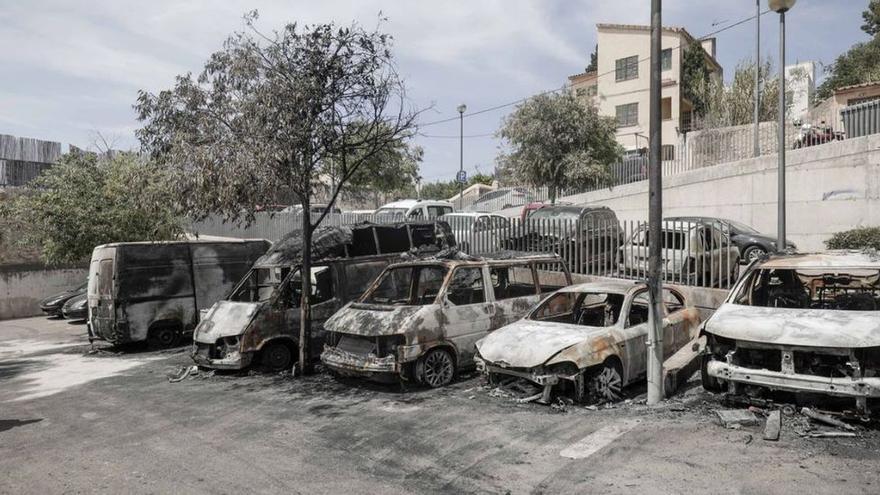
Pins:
x: 77, y: 419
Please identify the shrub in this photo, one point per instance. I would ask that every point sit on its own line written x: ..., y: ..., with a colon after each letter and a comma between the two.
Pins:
x: 861, y: 238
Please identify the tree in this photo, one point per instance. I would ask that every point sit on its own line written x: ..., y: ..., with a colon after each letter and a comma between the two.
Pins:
x: 871, y: 16
x: 85, y: 200
x: 735, y: 104
x: 273, y: 111
x: 695, y: 78
x: 594, y: 60
x: 556, y: 141
x: 395, y: 169
x: 446, y: 190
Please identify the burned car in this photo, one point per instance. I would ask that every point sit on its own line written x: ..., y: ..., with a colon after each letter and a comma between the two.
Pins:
x: 807, y: 324
x: 260, y: 319
x: 420, y: 319
x: 588, y: 339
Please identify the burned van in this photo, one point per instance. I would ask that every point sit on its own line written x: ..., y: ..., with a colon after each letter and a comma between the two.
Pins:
x: 260, y: 319
x: 153, y: 291
x: 420, y: 319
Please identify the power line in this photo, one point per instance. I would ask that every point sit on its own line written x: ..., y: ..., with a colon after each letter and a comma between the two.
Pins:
x: 522, y: 100
x: 451, y: 136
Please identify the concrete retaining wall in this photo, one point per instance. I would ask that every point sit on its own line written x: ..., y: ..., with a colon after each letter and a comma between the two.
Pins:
x: 830, y: 188
x: 23, y: 286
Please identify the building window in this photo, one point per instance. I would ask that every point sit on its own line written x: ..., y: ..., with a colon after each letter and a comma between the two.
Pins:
x: 666, y: 108
x: 627, y: 68
x: 627, y: 115
x: 666, y: 59
x: 667, y: 152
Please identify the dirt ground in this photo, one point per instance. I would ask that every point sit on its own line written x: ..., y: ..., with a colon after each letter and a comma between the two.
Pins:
x: 76, y: 421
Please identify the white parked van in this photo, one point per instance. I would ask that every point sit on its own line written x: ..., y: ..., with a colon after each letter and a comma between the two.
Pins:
x: 413, y: 210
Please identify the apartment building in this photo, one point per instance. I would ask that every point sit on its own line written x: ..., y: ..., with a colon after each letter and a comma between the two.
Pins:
x: 620, y: 86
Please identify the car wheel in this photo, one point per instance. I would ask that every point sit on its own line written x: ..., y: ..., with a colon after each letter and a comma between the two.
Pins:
x: 753, y: 252
x: 276, y: 356
x: 436, y: 368
x: 164, y: 337
x: 710, y: 383
x: 606, y: 384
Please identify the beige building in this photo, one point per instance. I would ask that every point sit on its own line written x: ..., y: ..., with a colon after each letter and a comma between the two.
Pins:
x: 620, y: 86
x: 828, y: 111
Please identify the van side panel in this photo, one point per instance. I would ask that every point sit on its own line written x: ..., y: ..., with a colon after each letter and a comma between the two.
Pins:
x: 154, y: 284
x: 218, y: 267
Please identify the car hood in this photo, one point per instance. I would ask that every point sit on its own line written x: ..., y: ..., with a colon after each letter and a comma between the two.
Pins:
x: 796, y: 327
x: 530, y: 343
x: 76, y: 302
x: 58, y: 299
x: 225, y: 319
x: 374, y: 320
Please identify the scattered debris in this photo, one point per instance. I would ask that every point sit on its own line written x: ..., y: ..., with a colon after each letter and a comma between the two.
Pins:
x: 830, y: 434
x: 828, y: 420
x: 183, y: 373
x: 735, y: 418
x: 773, y: 426
x: 748, y: 439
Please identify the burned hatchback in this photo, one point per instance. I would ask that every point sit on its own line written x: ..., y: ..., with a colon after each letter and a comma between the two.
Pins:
x: 804, y: 324
x: 419, y: 320
x: 260, y: 319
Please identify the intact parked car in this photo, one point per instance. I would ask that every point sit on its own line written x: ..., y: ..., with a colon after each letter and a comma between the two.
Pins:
x: 260, y: 319
x: 751, y: 243
x: 588, y: 339
x: 77, y: 308
x: 419, y: 320
x: 693, y: 253
x: 500, y: 199
x: 54, y: 304
x: 412, y: 210
x: 587, y: 237
x: 477, y: 233
x: 154, y: 291
x: 802, y: 323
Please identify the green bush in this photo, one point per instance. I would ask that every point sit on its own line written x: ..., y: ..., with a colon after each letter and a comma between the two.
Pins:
x: 861, y: 238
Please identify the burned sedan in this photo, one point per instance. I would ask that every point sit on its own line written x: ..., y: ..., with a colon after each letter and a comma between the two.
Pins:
x: 260, y: 319
x: 807, y: 324
x: 587, y: 339
x: 419, y: 320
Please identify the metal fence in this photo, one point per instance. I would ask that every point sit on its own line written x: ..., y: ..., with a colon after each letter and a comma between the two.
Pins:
x: 862, y: 119
x: 694, y: 253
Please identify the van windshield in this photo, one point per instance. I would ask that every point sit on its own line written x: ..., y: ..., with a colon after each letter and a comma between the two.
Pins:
x: 408, y: 286
x: 260, y: 284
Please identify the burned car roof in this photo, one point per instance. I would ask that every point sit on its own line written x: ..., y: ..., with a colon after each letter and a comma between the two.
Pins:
x: 829, y: 259
x: 611, y: 285
x: 363, y: 239
x: 453, y: 256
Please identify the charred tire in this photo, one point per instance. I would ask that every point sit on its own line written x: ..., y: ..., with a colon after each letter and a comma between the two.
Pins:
x: 164, y: 336
x: 277, y: 356
x: 436, y: 368
x: 710, y: 383
x: 605, y: 384
x: 753, y: 252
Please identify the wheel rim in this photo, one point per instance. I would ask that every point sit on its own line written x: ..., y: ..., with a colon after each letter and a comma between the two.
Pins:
x: 608, y: 384
x: 438, y: 369
x: 165, y: 337
x: 277, y: 356
x: 755, y: 254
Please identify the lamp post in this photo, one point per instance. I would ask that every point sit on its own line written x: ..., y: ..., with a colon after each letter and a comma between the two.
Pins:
x: 781, y: 7
x: 757, y: 78
x: 461, y: 109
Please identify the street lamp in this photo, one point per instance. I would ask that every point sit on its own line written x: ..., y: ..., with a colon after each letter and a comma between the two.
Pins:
x: 461, y: 109
x: 781, y: 7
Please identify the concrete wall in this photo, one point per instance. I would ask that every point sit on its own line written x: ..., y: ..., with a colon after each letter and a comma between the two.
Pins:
x: 23, y: 286
x: 830, y: 188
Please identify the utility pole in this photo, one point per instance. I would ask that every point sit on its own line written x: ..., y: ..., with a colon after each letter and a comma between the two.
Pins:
x: 757, y: 78
x: 781, y: 7
x: 655, y: 217
x: 461, y: 109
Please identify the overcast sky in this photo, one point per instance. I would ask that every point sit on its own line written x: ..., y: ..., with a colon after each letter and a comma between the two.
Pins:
x: 71, y: 68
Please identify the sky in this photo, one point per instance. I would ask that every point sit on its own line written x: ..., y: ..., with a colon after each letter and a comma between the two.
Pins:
x: 71, y: 69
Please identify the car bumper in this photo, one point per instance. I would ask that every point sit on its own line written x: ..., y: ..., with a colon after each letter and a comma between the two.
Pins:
x: 794, y: 382
x: 358, y: 364
x: 51, y: 310
x: 229, y: 360
x: 537, y: 375
x: 76, y: 314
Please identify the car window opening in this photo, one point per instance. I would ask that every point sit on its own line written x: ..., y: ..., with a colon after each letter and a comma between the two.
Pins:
x: 853, y: 290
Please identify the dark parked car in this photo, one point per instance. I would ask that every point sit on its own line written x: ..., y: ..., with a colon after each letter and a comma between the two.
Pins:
x: 53, y: 304
x: 77, y: 308
x: 584, y: 236
x: 751, y: 243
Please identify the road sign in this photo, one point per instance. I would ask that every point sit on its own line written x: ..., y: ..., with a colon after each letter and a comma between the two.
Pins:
x: 461, y: 176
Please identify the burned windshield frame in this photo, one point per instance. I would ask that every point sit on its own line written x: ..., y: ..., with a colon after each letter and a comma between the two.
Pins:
x: 250, y: 289
x: 855, y: 289
x: 412, y: 284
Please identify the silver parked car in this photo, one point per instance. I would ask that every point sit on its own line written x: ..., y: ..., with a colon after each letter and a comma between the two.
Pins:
x: 478, y: 233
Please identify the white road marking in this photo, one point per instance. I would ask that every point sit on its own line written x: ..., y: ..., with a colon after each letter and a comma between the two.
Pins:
x: 597, y: 440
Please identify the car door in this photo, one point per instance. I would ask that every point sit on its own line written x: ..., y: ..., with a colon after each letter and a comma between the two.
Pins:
x: 467, y: 310
x: 676, y: 325
x: 633, y: 336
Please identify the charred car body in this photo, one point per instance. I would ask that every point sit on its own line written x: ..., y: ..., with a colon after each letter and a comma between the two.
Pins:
x: 261, y: 316
x: 419, y: 320
x: 141, y: 291
x: 590, y: 338
x: 807, y: 324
